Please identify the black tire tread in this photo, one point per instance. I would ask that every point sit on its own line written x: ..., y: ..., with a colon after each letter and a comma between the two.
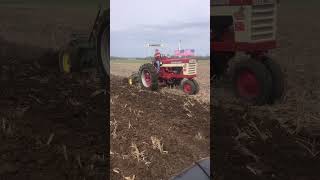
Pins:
x: 278, y: 82
x: 197, y: 86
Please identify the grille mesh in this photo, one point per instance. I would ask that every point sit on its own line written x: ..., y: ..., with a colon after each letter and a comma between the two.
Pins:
x: 192, y: 68
x: 263, y: 22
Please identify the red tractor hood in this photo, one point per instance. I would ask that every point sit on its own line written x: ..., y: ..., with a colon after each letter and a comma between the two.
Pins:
x: 175, y: 60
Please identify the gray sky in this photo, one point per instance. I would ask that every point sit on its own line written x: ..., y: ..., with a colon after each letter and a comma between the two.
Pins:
x: 135, y: 22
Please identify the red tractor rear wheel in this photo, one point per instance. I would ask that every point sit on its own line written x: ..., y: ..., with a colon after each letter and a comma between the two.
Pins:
x: 252, y: 82
x: 190, y: 87
x: 148, y: 77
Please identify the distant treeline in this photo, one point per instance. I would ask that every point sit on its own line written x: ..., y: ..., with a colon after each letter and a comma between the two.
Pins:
x: 139, y: 58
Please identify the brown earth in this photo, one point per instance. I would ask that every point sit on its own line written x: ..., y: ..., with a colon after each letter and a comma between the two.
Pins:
x: 52, y: 126
x: 155, y: 135
x: 279, y: 141
x: 257, y: 147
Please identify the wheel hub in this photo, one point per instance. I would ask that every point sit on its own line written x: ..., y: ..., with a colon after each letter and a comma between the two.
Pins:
x: 187, y: 88
x: 248, y: 85
x: 66, y: 65
x: 146, y: 78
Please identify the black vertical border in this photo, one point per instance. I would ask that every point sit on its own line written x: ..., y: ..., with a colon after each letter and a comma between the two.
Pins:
x: 212, y: 155
x: 108, y: 99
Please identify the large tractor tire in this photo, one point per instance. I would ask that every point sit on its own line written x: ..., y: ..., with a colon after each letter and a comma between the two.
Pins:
x: 103, y: 50
x: 278, y: 82
x: 69, y: 59
x: 148, y: 77
x: 197, y: 86
x: 190, y: 87
x: 252, y: 82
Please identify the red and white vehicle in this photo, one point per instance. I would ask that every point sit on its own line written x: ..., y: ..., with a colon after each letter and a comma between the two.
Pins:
x: 172, y: 72
x: 247, y: 26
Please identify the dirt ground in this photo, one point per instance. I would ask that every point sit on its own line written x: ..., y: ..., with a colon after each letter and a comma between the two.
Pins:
x: 125, y: 68
x: 279, y: 141
x: 52, y: 126
x: 155, y: 135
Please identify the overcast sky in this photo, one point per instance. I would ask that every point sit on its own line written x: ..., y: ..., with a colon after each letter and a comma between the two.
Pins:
x: 135, y: 22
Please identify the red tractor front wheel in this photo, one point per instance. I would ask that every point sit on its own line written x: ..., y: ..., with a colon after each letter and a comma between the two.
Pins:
x: 190, y: 87
x: 252, y: 82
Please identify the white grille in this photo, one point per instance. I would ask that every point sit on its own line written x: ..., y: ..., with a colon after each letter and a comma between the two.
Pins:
x: 192, y: 68
x: 263, y: 22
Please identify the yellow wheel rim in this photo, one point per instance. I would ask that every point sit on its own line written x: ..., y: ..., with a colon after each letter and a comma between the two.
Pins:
x: 130, y: 81
x: 66, y: 63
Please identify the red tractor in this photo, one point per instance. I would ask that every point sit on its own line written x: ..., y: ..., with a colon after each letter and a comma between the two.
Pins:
x: 247, y: 26
x: 168, y: 71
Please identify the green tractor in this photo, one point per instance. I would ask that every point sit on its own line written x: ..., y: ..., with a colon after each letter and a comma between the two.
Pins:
x: 90, y: 50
